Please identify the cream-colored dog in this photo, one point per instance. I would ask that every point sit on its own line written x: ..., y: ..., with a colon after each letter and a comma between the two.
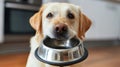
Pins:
x: 60, y: 21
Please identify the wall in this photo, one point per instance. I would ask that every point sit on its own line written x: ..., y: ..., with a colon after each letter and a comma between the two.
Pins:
x: 47, y: 1
x: 119, y: 19
x: 105, y: 17
x: 1, y: 21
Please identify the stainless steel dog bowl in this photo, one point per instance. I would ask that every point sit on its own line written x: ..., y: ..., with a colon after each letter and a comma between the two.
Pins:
x: 60, y: 52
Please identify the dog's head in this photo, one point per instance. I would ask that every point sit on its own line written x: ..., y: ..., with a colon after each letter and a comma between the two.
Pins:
x: 60, y: 21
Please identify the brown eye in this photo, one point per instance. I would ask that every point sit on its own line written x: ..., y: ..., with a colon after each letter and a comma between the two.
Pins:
x: 50, y: 15
x: 70, y: 16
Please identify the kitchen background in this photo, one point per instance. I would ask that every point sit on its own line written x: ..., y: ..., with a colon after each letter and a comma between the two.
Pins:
x: 103, y: 36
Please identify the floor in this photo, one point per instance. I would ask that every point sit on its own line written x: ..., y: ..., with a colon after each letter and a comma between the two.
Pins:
x: 107, y: 56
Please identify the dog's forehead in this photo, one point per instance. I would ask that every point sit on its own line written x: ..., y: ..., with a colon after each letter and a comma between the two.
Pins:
x: 61, y: 7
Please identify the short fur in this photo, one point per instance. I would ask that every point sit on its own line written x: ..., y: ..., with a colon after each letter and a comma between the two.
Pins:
x: 44, y: 27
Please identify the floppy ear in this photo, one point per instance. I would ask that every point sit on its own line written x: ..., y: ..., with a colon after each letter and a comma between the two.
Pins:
x: 84, y: 25
x: 36, y: 20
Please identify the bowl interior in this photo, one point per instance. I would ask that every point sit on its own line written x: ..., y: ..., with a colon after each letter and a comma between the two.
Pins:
x: 61, y: 44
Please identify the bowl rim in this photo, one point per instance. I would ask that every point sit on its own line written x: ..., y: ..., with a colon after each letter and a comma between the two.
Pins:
x: 64, y: 63
x: 63, y: 49
x: 60, y: 49
x: 43, y: 43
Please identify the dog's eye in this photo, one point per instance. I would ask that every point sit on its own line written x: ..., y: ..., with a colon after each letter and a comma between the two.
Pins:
x: 70, y: 16
x: 49, y: 15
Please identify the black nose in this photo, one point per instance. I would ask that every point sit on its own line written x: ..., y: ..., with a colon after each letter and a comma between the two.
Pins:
x: 61, y: 28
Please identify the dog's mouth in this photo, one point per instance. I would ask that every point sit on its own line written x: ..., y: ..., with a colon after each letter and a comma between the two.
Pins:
x: 56, y: 43
x: 58, y: 36
x: 61, y: 36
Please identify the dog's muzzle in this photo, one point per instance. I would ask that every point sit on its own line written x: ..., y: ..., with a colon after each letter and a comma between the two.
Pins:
x: 61, y: 31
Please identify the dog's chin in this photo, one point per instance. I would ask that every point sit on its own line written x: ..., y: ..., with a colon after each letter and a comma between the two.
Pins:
x: 60, y: 37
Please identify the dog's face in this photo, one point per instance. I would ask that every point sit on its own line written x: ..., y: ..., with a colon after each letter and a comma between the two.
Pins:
x: 60, y: 21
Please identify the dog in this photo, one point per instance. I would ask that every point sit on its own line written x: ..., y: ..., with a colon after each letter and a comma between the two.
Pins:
x: 59, y: 21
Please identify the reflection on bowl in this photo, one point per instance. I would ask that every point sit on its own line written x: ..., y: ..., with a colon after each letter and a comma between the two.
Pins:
x: 58, y: 52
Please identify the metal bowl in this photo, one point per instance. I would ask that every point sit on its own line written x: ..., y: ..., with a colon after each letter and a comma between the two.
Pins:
x: 60, y: 52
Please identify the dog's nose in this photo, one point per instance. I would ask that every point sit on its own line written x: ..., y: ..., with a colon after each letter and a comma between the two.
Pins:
x: 61, y: 28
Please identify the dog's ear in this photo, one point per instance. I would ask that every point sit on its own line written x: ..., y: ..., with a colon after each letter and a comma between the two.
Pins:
x: 84, y: 25
x: 36, y: 20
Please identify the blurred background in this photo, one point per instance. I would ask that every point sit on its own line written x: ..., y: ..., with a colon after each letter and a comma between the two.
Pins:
x: 102, y: 40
